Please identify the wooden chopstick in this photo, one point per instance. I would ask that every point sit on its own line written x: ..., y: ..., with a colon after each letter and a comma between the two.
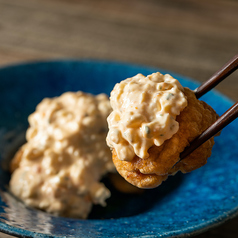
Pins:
x: 230, y: 115
x: 216, y: 78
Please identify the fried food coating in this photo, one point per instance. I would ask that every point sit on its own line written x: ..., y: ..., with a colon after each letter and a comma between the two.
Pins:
x: 151, y: 172
x: 121, y: 185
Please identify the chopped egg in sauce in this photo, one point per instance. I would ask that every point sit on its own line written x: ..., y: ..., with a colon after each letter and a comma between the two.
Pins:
x: 60, y: 167
x: 144, y: 114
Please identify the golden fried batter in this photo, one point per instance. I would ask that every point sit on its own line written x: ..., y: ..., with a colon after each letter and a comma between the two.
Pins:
x: 151, y: 172
x: 122, y: 185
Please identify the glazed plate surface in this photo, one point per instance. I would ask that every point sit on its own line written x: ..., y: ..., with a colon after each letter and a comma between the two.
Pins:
x: 183, y: 205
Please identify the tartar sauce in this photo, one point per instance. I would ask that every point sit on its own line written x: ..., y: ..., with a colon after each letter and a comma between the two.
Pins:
x: 65, y: 156
x: 144, y: 114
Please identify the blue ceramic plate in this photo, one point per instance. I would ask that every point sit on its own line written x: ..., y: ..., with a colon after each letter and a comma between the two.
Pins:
x: 183, y: 205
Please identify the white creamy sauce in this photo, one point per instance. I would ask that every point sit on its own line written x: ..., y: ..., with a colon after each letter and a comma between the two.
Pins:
x: 65, y: 155
x: 144, y: 113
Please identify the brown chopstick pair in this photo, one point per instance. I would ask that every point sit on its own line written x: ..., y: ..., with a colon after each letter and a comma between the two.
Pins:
x: 230, y: 115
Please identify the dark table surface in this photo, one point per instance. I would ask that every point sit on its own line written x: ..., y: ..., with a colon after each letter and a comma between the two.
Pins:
x: 190, y: 37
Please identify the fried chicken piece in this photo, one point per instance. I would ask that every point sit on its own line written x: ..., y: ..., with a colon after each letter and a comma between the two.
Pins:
x: 59, y: 168
x: 121, y: 185
x: 151, y: 172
